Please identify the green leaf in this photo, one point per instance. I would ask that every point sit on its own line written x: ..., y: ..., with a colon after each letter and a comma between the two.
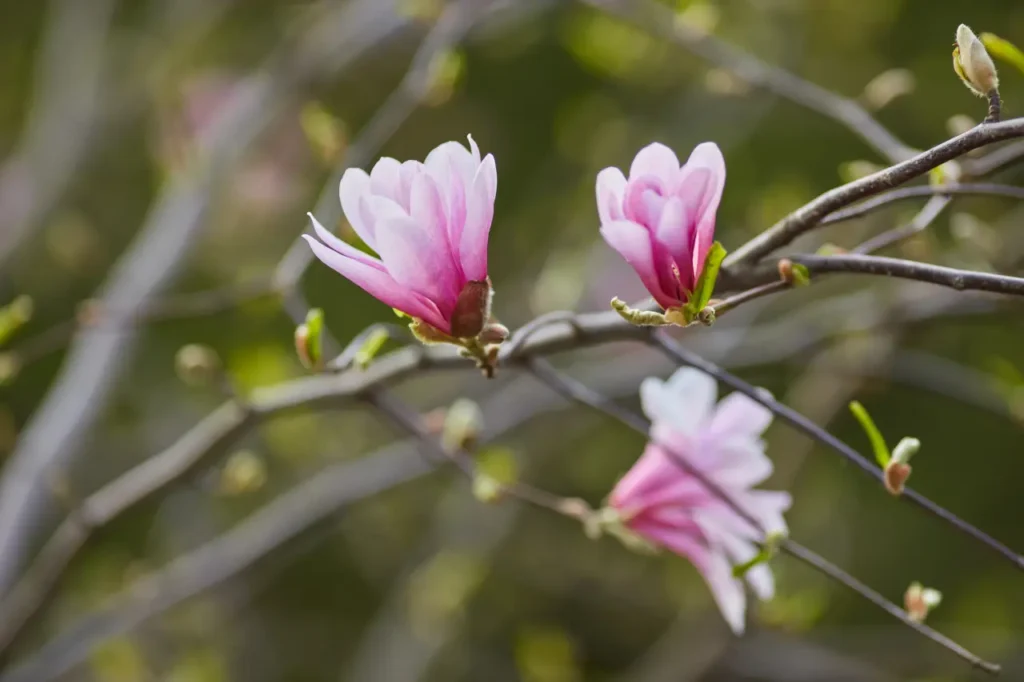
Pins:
x: 705, y: 283
x: 740, y: 570
x: 325, y: 133
x: 874, y: 435
x: 801, y: 275
x: 767, y: 551
x: 309, y: 339
x: 13, y: 316
x: 368, y: 351
x: 1001, y: 48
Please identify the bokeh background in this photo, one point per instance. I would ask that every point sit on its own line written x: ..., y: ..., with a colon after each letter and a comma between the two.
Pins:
x: 107, y: 105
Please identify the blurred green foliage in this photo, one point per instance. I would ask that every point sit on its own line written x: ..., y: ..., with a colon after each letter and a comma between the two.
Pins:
x: 555, y: 98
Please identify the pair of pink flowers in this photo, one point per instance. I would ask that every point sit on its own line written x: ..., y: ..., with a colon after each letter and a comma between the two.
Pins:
x: 429, y: 223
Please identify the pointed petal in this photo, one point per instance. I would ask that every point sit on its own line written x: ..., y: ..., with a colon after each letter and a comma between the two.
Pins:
x: 611, y: 189
x: 633, y: 242
x: 355, y: 185
x: 707, y: 163
x: 727, y: 591
x: 479, y: 215
x: 415, y: 259
x: 376, y: 282
x: 385, y: 179
x: 342, y: 247
x: 740, y: 415
x: 737, y: 461
x: 655, y: 159
x: 647, y: 475
x: 672, y: 231
x: 453, y: 155
x: 683, y: 403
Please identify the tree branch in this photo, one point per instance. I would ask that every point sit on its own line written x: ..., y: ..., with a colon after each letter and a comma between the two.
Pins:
x: 99, y: 353
x: 961, y: 280
x: 680, y: 354
x: 811, y: 214
x: 661, y: 21
x: 904, y: 193
x: 578, y: 392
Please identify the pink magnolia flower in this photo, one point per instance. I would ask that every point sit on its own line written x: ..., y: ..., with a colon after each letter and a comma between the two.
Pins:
x: 429, y: 223
x: 663, y: 504
x: 662, y: 219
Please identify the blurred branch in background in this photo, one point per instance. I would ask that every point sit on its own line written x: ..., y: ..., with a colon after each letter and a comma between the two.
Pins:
x: 339, y: 36
x: 99, y: 353
x: 659, y: 20
x: 68, y: 98
x: 77, y: 103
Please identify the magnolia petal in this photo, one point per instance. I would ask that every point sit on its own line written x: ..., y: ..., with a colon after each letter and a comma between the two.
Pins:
x: 726, y: 589
x: 427, y: 208
x: 735, y: 461
x: 672, y: 232
x: 707, y: 162
x: 741, y: 550
x: 385, y: 179
x: 611, y: 189
x: 648, y: 474
x: 416, y: 260
x: 738, y: 414
x: 633, y: 242
x: 643, y: 201
x: 479, y: 216
x: 342, y: 247
x: 655, y: 159
x: 683, y: 403
x: 378, y: 283
x: 453, y: 155
x: 352, y: 190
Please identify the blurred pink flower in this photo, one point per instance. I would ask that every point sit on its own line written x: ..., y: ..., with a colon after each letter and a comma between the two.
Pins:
x: 429, y: 222
x: 662, y: 503
x: 662, y: 219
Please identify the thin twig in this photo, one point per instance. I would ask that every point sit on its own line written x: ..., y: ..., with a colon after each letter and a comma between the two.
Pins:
x: 932, y: 209
x: 811, y: 214
x: 680, y: 354
x: 961, y: 280
x: 994, y: 160
x: 903, y: 193
x: 578, y: 392
x: 660, y: 20
x: 726, y: 304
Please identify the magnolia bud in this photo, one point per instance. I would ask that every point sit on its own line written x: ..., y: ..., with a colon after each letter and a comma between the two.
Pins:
x: 462, y: 425
x: 197, y: 365
x: 919, y: 600
x: 972, y: 63
x: 309, y: 339
x: 896, y: 475
x: 472, y: 309
x: 493, y: 332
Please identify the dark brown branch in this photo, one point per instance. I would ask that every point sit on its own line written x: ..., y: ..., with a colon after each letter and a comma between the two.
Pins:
x: 811, y: 214
x: 578, y: 392
x: 961, y: 280
x: 659, y: 20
